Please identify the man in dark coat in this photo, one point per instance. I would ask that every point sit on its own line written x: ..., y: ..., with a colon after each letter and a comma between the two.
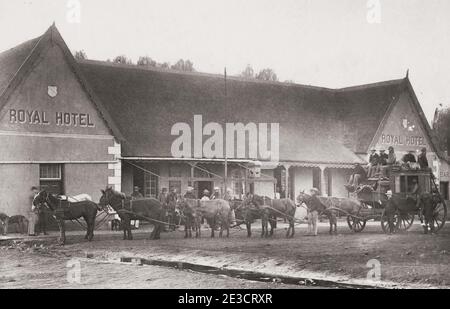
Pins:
x: 409, y: 157
x: 383, y: 157
x: 374, y: 159
x: 422, y: 159
x: 136, y: 194
x: 359, y: 175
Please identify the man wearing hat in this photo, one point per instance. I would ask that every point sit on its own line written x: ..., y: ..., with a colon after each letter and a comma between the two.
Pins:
x: 422, y: 158
x: 205, y: 195
x: 228, y: 196
x: 216, y: 194
x: 382, y: 162
x: 163, y: 195
x: 190, y: 193
x: 358, y: 176
x: 373, y: 163
x: 34, y: 213
x: 136, y: 194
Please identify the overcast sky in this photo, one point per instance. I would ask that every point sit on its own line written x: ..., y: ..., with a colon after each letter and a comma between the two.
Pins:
x: 316, y: 42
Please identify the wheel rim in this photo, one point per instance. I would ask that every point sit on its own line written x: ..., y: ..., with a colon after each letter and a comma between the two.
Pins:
x: 356, y: 224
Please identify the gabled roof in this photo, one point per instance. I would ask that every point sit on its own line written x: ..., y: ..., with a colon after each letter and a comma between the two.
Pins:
x: 317, y: 124
x: 16, y: 63
x: 362, y: 108
x: 12, y: 60
x: 146, y: 102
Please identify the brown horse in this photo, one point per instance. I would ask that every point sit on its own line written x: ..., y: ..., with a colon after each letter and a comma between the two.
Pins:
x: 331, y: 206
x: 216, y: 212
x: 247, y: 213
x: 271, y: 209
x: 64, y: 210
x: 148, y: 209
x: 191, y: 217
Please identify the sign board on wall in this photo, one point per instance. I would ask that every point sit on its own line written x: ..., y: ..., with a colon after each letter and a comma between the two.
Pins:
x: 52, y: 100
x: 402, y: 129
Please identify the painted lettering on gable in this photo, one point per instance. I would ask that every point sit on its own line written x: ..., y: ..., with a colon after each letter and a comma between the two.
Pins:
x: 38, y: 117
x: 402, y: 140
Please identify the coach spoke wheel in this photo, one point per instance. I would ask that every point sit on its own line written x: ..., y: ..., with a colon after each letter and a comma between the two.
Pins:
x: 390, y: 222
x: 439, y: 216
x: 355, y: 224
x: 406, y: 220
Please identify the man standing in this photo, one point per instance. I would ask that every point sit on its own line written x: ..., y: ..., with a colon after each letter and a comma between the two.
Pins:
x: 422, y: 159
x: 136, y: 194
x: 313, y: 212
x: 163, y: 197
x: 216, y: 194
x: 227, y: 197
x: 33, y: 213
x: 205, y: 195
x: 190, y: 193
x: 42, y: 220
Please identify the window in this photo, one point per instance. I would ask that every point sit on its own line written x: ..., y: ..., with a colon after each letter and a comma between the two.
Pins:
x: 51, y: 178
x: 407, y: 183
x: 444, y: 189
x: 237, y: 188
x: 150, y: 185
x: 175, y: 184
x: 50, y: 172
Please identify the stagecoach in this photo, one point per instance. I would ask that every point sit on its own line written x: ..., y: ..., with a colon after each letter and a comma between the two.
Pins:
x: 392, y: 201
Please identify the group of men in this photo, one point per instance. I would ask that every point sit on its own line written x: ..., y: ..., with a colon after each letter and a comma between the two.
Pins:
x: 379, y: 164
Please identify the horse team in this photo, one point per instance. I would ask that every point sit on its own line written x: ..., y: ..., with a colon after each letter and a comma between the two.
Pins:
x: 219, y: 214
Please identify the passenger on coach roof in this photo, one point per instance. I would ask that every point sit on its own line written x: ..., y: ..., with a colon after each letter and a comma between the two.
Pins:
x: 409, y: 157
x: 373, y: 163
x: 392, y: 157
x: 359, y: 175
x: 422, y: 159
x: 383, y: 157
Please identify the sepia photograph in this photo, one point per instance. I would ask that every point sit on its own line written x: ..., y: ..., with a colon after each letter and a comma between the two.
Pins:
x: 224, y: 149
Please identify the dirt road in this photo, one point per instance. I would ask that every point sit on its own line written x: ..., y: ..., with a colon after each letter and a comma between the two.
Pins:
x: 404, y: 260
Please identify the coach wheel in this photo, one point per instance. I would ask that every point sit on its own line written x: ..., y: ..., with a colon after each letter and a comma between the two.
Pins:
x: 440, y: 216
x: 390, y: 222
x: 356, y: 224
x: 406, y: 220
